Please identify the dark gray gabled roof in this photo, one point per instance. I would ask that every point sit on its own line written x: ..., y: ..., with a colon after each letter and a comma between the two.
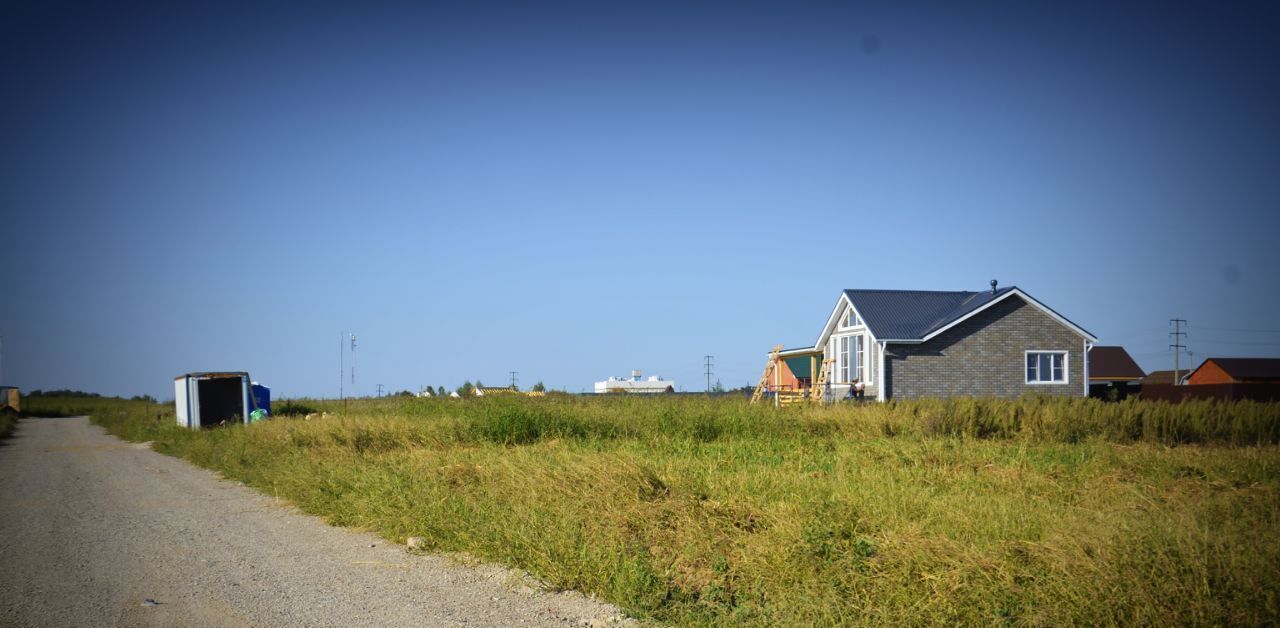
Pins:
x: 914, y: 314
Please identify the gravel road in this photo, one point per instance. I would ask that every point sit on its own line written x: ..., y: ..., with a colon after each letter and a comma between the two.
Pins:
x: 92, y: 528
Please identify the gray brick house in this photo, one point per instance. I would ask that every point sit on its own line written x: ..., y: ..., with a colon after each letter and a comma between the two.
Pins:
x: 905, y: 344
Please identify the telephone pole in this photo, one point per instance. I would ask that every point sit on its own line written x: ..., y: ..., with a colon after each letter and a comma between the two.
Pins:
x: 342, y: 368
x: 515, y: 379
x: 707, y: 363
x: 1177, y: 346
x: 379, y: 390
x: 353, y: 363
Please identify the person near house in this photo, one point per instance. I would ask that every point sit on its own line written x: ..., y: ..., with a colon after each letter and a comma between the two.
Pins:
x: 855, y: 390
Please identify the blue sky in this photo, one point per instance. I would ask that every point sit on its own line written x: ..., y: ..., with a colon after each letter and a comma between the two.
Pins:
x: 573, y: 191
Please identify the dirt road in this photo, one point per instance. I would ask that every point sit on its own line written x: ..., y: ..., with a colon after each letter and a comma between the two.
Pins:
x: 92, y: 528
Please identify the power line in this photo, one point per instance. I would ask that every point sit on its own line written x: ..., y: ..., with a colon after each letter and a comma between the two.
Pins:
x: 1240, y: 329
x: 1236, y: 342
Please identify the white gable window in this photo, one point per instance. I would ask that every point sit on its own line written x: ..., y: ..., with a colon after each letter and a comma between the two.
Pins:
x: 1046, y: 367
x: 850, y: 319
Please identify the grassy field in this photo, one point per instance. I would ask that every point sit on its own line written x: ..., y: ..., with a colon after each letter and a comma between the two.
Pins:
x: 696, y: 511
x: 8, y: 420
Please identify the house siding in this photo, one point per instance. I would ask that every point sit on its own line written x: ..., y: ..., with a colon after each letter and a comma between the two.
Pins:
x: 1210, y: 373
x: 985, y: 356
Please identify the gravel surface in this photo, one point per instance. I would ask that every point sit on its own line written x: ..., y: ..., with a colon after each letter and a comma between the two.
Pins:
x: 95, y: 531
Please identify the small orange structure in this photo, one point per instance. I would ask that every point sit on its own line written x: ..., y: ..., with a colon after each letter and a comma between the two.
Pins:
x: 792, y: 375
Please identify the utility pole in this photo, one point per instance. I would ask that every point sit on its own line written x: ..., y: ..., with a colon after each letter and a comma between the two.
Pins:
x: 342, y: 368
x: 515, y: 379
x: 379, y: 390
x: 1177, y: 345
x: 353, y: 363
x: 707, y: 363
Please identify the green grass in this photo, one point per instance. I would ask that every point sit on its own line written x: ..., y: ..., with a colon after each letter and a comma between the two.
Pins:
x: 694, y: 511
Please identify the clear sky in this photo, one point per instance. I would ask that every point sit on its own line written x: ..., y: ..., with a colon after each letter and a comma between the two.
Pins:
x: 573, y: 191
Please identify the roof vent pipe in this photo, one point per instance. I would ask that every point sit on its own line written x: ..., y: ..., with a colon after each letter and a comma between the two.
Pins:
x: 993, y: 286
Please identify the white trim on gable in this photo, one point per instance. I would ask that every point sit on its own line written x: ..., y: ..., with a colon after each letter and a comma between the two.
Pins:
x: 833, y: 322
x: 1025, y: 297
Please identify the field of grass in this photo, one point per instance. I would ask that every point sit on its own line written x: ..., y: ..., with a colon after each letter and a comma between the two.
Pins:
x: 8, y: 421
x: 698, y: 511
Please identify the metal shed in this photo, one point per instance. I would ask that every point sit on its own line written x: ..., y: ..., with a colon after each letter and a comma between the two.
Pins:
x: 208, y: 399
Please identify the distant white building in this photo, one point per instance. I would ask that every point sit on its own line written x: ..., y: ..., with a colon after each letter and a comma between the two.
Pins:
x: 635, y: 384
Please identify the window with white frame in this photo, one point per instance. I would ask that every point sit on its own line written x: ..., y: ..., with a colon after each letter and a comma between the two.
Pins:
x: 851, y: 358
x: 859, y: 358
x: 842, y: 358
x: 850, y: 319
x: 1046, y: 367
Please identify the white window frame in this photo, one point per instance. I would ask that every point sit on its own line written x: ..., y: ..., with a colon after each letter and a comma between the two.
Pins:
x: 853, y: 357
x: 850, y: 319
x: 859, y: 353
x: 1066, y: 368
x: 842, y: 359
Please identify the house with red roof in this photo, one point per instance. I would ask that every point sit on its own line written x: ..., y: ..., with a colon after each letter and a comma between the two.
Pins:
x: 1236, y: 371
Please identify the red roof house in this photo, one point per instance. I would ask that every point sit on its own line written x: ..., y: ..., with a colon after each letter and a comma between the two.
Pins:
x: 1236, y: 371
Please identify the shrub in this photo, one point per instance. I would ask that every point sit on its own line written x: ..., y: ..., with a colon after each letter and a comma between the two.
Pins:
x: 293, y: 408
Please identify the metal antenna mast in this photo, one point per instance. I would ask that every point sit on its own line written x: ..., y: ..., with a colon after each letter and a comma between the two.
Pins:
x: 707, y: 363
x: 1177, y: 345
x: 515, y: 378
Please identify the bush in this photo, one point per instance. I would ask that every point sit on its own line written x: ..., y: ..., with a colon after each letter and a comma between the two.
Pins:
x: 292, y: 408
x: 8, y: 420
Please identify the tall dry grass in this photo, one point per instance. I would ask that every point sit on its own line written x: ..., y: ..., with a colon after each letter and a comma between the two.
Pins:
x: 698, y: 511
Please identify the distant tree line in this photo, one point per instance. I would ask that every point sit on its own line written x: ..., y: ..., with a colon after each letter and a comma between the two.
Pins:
x: 80, y: 394
x: 63, y: 393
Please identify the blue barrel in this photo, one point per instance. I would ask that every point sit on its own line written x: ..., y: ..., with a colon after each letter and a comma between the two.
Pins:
x: 262, y: 398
